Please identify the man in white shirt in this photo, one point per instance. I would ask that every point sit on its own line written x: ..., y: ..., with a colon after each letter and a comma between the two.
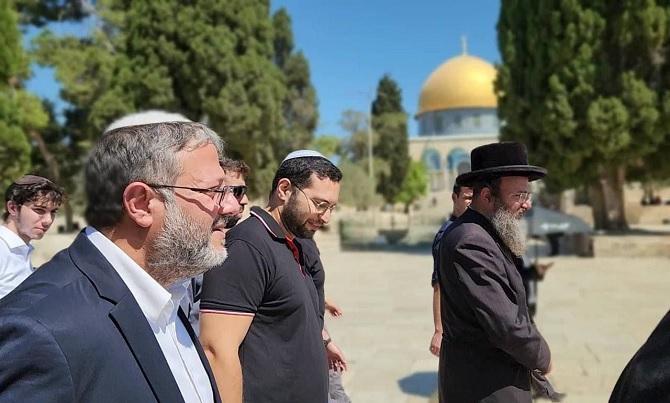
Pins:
x: 31, y: 203
x: 101, y: 320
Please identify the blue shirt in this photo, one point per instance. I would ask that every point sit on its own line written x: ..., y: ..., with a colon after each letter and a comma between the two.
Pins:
x: 436, y: 248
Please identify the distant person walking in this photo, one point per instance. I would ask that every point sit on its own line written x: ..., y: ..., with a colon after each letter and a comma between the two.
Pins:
x: 461, y: 198
x: 31, y: 204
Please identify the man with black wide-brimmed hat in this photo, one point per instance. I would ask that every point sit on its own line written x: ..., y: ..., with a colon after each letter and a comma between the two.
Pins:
x: 490, y: 346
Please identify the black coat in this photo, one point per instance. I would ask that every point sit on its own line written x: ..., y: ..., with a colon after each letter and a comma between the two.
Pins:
x: 490, y: 344
x: 73, y: 332
x: 646, y: 378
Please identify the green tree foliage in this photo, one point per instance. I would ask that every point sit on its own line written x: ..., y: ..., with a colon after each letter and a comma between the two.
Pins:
x: 582, y: 85
x: 21, y: 113
x: 41, y: 12
x: 300, y: 106
x: 355, y: 147
x: 414, y: 184
x: 58, y: 155
x: 211, y: 61
x: 357, y: 189
x: 329, y: 146
x: 389, y: 122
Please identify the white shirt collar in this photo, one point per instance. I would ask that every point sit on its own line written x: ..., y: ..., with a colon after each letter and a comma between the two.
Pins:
x: 12, y: 239
x: 158, y: 305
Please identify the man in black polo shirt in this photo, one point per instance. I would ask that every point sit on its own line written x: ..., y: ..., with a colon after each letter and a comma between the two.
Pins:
x: 261, y: 321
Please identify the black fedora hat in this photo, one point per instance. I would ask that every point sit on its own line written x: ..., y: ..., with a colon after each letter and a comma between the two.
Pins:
x: 500, y: 159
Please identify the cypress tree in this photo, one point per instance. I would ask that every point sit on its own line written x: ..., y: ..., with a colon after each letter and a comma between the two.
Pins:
x: 580, y: 84
x: 389, y: 121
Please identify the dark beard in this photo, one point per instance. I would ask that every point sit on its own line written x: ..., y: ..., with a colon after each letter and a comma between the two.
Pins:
x: 229, y: 221
x: 293, y: 221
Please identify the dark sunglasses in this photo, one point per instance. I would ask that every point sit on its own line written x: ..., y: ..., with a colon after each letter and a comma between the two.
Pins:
x: 238, y: 191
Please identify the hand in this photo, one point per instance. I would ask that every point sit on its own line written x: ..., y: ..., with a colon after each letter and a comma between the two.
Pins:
x: 542, y: 269
x: 333, y: 309
x: 435, y: 343
x: 336, y: 359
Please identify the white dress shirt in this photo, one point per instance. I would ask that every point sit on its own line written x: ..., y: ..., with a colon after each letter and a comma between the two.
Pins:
x: 160, y: 307
x: 15, y: 263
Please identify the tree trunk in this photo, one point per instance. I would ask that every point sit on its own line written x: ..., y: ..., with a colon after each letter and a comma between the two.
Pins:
x: 54, y: 171
x: 607, y: 200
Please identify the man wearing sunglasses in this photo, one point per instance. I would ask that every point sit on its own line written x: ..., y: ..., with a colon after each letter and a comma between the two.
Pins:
x: 235, y: 187
x: 236, y: 172
x: 261, y: 315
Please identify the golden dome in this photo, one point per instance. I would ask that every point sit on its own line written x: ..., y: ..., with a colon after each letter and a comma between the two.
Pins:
x: 461, y: 82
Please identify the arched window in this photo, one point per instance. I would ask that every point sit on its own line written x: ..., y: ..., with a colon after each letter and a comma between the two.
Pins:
x: 431, y: 157
x: 456, y: 157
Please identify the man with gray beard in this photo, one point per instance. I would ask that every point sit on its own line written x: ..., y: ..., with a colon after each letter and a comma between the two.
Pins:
x: 490, y: 347
x: 101, y: 322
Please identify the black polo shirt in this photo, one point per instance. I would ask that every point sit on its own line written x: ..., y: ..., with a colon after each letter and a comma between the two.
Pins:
x: 282, y: 355
x: 312, y: 262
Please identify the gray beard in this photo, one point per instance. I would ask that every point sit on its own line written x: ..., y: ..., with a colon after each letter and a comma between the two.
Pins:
x: 182, y: 249
x: 510, y: 230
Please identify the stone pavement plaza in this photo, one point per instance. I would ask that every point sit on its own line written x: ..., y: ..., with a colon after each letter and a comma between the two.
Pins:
x: 595, y: 313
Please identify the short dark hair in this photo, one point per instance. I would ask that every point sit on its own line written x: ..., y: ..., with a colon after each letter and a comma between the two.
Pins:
x: 31, y: 188
x: 236, y: 166
x: 299, y: 171
x: 491, y: 183
x: 457, y: 189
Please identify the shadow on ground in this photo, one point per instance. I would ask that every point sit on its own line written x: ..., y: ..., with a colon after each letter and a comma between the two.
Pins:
x: 421, y: 249
x: 419, y: 384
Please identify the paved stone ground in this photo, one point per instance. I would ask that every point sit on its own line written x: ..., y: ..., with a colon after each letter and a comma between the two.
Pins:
x: 595, y: 313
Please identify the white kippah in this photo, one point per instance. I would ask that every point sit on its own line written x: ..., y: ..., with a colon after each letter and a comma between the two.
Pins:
x: 302, y: 154
x: 145, y: 118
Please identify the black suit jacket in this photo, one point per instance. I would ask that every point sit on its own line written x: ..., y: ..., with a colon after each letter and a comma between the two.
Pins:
x: 646, y: 378
x: 73, y: 332
x: 490, y: 344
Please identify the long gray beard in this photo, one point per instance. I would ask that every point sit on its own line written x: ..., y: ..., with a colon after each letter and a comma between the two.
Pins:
x: 510, y: 230
x: 182, y: 249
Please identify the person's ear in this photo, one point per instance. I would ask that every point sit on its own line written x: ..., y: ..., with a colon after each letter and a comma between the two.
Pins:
x: 487, y: 195
x: 139, y: 203
x: 454, y: 197
x: 13, y: 208
x: 284, y: 189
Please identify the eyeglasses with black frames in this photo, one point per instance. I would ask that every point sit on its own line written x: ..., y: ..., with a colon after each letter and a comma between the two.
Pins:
x: 217, y: 194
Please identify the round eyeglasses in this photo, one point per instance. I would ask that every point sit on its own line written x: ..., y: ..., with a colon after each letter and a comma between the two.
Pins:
x: 319, y: 206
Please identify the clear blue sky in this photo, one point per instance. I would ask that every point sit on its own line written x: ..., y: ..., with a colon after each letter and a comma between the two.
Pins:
x: 350, y: 44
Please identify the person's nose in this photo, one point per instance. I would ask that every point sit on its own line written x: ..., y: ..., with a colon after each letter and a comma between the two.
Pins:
x: 229, y: 204
x: 325, y: 217
x: 528, y: 204
x: 47, y: 220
